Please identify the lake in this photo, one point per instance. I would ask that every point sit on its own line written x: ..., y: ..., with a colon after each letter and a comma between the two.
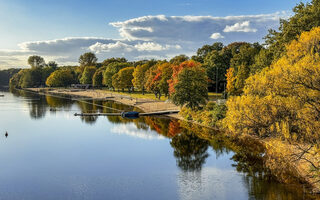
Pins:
x: 51, y: 154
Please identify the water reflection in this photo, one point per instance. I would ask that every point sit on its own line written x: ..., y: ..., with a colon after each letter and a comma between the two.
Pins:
x: 190, y: 151
x: 242, y: 160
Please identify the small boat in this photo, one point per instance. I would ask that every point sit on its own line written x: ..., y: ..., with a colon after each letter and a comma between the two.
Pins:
x: 1, y: 95
x: 130, y: 115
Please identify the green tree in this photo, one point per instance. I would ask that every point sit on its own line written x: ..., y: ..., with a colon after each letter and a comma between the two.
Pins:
x: 139, y: 77
x: 88, y: 59
x: 242, y: 63
x: 192, y: 88
x: 115, y: 81
x: 205, y: 50
x: 262, y: 60
x: 52, y: 64
x: 87, y: 75
x: 190, y: 151
x: 179, y: 59
x: 31, y: 78
x: 36, y: 61
x: 125, y: 78
x: 216, y: 64
x: 98, y: 78
x: 5, y: 76
x: 15, y: 81
x: 111, y: 70
x: 108, y: 61
x: 61, y: 78
x: 306, y: 16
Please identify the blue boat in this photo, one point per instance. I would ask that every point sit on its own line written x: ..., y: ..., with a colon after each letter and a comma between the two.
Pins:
x: 130, y: 115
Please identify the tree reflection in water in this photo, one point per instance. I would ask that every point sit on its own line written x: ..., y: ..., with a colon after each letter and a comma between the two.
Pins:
x: 190, y: 144
x: 190, y: 151
x: 37, y: 103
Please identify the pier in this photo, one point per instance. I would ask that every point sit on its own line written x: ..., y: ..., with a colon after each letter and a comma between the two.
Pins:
x: 167, y: 112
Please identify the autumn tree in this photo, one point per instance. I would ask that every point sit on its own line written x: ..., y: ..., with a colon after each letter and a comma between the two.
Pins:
x: 139, y: 78
x: 87, y: 75
x: 61, y: 78
x: 242, y: 62
x: 125, y: 78
x: 163, y: 75
x: 191, y: 88
x: 111, y: 70
x: 88, y: 59
x: 151, y: 81
x: 284, y: 99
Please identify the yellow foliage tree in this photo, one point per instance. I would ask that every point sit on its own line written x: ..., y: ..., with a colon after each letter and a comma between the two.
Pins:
x: 284, y: 99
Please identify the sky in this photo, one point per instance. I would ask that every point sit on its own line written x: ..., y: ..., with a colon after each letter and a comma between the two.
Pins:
x: 62, y: 30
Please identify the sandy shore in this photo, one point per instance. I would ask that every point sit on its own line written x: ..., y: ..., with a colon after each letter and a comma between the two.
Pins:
x: 147, y: 105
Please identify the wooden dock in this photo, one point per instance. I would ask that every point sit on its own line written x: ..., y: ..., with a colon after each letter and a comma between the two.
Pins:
x: 119, y: 114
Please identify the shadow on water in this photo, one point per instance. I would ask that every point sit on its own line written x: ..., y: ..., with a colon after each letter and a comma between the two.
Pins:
x: 190, y: 145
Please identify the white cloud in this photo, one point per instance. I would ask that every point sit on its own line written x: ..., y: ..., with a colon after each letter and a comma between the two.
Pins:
x: 240, y: 27
x: 117, y: 46
x: 179, y: 29
x: 157, y: 36
x: 132, y: 130
x: 216, y: 36
x: 152, y: 46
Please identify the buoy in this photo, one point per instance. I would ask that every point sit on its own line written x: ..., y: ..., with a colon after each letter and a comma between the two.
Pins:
x: 6, y: 134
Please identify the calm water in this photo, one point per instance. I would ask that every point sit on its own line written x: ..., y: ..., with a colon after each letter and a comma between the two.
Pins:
x: 50, y: 154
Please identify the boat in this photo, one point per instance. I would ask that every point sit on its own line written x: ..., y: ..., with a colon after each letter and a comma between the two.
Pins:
x: 130, y: 115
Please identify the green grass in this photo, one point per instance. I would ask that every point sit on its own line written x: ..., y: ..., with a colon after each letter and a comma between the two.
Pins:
x: 138, y: 94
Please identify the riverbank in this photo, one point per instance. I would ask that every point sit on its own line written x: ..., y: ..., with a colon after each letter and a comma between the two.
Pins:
x: 144, y: 104
x: 278, y: 157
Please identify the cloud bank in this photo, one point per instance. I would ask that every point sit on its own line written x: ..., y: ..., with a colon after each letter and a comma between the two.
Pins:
x: 159, y: 37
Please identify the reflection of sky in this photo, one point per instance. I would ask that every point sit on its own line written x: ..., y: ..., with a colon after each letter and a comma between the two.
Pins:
x: 60, y: 157
x: 211, y: 183
x: 132, y: 130
x: 216, y: 180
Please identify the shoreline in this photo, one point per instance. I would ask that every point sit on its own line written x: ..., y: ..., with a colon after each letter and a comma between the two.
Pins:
x: 296, y: 169
x: 144, y: 104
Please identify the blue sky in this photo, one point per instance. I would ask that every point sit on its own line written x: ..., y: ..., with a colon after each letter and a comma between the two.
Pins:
x: 63, y: 29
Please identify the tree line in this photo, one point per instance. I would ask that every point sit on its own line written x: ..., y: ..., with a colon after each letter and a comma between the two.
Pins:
x: 236, y: 69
